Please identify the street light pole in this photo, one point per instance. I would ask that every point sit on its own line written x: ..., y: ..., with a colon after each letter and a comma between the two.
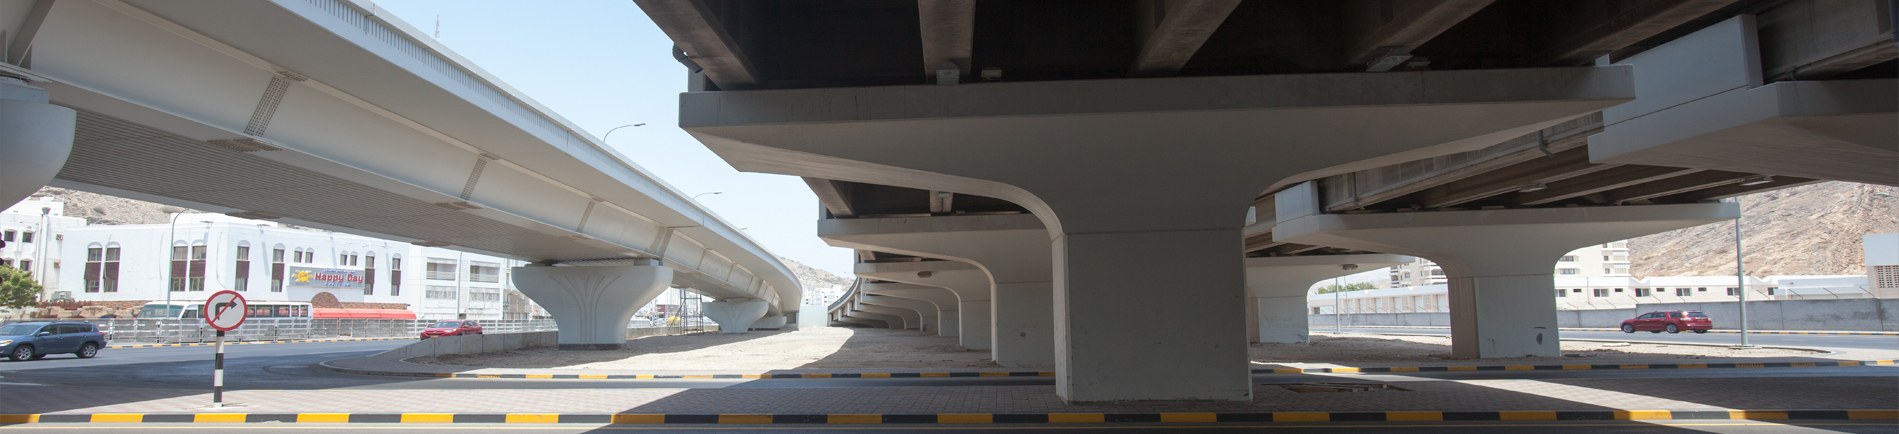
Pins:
x: 603, y: 137
x: 170, y: 274
x: 1740, y: 273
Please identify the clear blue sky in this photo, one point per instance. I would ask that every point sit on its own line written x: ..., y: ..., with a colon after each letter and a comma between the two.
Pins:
x: 602, y: 64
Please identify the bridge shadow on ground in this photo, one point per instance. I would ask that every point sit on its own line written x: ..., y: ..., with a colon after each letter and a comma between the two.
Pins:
x: 886, y: 350
x: 652, y: 348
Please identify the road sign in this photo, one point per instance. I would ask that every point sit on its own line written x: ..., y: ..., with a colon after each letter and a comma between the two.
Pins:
x: 225, y: 310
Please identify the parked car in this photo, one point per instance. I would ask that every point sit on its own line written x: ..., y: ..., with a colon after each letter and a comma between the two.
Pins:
x: 452, y: 328
x: 1669, y: 321
x: 33, y: 340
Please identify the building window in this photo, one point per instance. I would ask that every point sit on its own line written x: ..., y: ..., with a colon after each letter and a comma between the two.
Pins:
x: 26, y: 237
x: 180, y: 267
x: 1733, y: 292
x: 1437, y: 272
x: 1641, y: 292
x: 1562, y: 293
x: 480, y: 295
x: 395, y: 276
x: 1770, y: 290
x: 8, y: 236
x: 436, y: 292
x: 94, y: 267
x: 1569, y: 258
x: 197, y: 270
x: 369, y: 276
x: 1682, y: 292
x: 440, y: 269
x: 484, y: 272
x: 342, y: 260
x: 241, y: 277
x: 1602, y: 292
x: 1568, y: 271
x: 1618, y: 290
x: 1701, y: 289
x: 277, y: 269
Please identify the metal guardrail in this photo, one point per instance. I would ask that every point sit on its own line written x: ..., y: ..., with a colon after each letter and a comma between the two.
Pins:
x: 262, y: 329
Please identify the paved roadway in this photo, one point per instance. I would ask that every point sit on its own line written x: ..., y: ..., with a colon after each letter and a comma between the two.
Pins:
x: 1823, y: 341
x: 1631, y: 427
x: 286, y: 367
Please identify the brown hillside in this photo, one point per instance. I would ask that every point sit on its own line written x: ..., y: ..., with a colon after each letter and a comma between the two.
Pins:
x: 1813, y: 229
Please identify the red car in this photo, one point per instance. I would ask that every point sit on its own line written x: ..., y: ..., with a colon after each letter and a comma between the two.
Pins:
x: 1669, y: 321
x: 451, y: 328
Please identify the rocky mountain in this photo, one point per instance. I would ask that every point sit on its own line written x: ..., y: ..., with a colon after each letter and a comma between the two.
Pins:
x: 99, y: 209
x: 813, y: 278
x: 1812, y: 229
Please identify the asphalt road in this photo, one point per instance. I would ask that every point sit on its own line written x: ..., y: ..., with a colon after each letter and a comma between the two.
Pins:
x: 1558, y: 427
x: 287, y: 367
x: 1823, y: 341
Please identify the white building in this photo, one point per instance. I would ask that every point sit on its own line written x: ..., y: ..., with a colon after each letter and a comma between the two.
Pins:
x: 1603, y: 260
x: 1882, y: 264
x: 201, y: 254
x: 31, y: 230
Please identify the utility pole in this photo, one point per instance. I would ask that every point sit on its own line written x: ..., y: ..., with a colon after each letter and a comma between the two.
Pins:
x: 1740, y: 273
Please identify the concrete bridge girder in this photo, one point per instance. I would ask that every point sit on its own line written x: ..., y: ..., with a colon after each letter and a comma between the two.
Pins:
x: 1189, y: 139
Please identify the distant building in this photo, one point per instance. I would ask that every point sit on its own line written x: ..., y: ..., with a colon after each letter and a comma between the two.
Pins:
x: 204, y: 253
x: 31, y: 230
x: 1602, y: 260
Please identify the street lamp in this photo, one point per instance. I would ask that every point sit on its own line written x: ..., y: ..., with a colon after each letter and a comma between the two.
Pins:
x: 173, y: 239
x: 603, y: 137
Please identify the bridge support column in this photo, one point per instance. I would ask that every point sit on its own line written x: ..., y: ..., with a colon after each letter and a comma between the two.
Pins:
x: 591, y: 305
x: 769, y: 322
x: 1007, y: 308
x: 901, y: 319
x: 737, y: 315
x: 1499, y: 262
x: 1277, y: 288
x: 1024, y: 332
x: 927, y: 315
x: 35, y: 138
x: 948, y: 308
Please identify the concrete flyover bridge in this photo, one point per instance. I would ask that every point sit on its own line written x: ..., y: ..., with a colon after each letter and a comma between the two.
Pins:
x: 1161, y: 146
x: 332, y: 114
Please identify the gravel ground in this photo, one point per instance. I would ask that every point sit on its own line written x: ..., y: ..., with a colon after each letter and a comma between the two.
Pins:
x: 830, y: 347
x: 1364, y: 347
x: 818, y: 347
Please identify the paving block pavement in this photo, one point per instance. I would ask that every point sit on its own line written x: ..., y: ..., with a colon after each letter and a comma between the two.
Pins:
x: 1685, y: 394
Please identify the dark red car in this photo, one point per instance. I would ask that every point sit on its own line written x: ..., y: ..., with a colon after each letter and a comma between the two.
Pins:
x: 452, y: 328
x: 1669, y: 321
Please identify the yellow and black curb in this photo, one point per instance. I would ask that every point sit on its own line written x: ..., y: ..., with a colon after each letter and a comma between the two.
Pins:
x: 963, y: 418
x: 206, y: 344
x: 1751, y: 332
x: 1574, y: 367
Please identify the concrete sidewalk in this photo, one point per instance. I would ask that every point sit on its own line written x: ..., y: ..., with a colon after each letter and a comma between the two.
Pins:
x: 1680, y: 394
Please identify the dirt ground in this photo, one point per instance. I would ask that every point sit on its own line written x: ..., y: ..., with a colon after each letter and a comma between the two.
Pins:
x: 818, y: 347
x: 1362, y: 347
x: 829, y: 347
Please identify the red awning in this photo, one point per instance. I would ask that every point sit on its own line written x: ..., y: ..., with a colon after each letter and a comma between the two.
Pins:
x: 362, y: 313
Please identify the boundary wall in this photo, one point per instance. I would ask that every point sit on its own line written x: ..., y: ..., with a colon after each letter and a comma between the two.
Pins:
x: 1855, y: 314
